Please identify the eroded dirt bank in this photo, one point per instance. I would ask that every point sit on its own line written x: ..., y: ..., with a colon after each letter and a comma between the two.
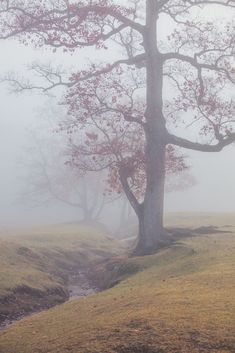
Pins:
x: 78, y: 285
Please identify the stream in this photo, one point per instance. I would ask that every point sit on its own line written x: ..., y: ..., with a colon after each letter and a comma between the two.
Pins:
x: 78, y: 286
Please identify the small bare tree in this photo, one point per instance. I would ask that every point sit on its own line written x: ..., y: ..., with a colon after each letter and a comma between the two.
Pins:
x: 49, y: 179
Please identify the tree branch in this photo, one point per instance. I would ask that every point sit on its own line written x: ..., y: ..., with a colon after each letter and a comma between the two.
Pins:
x: 228, y: 3
x: 196, y: 64
x: 54, y: 78
x: 181, y: 142
x: 129, y: 194
x: 40, y: 21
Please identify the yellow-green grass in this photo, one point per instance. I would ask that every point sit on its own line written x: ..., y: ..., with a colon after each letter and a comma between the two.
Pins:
x: 35, y: 263
x: 194, y: 220
x: 199, y: 219
x: 180, y: 300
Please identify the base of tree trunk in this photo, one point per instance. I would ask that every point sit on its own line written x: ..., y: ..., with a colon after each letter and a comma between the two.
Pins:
x: 161, y: 241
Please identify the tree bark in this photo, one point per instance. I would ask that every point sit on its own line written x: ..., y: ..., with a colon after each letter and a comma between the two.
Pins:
x: 88, y: 217
x: 151, y: 230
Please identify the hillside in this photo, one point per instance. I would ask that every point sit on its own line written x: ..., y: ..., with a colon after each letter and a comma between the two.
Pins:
x: 35, y: 265
x: 181, y: 299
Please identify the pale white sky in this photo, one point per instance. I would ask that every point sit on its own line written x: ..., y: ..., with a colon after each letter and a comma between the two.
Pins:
x: 215, y: 173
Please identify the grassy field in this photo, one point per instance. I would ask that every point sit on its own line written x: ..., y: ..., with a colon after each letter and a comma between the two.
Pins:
x: 35, y: 264
x: 179, y: 300
x: 196, y: 219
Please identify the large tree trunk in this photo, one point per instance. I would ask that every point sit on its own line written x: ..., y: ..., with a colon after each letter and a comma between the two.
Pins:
x: 152, y: 235
x: 151, y: 232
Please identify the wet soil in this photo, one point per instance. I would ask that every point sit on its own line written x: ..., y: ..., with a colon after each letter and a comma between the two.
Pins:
x: 79, y: 285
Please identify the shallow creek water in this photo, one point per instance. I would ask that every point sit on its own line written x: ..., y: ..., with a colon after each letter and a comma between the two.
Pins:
x: 78, y: 286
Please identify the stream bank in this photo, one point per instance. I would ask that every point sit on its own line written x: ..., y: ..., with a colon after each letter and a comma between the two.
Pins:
x: 78, y: 285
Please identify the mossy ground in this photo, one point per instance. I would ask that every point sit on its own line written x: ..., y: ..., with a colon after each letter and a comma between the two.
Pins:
x: 179, y: 300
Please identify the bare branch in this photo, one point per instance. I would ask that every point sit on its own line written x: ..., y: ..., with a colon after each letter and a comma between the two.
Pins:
x: 54, y: 77
x: 196, y: 64
x: 181, y: 142
x: 63, y: 20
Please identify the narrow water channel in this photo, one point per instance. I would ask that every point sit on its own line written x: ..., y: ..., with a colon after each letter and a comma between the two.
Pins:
x: 78, y: 286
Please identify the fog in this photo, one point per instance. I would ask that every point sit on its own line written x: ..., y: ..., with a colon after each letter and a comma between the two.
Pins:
x: 214, y: 173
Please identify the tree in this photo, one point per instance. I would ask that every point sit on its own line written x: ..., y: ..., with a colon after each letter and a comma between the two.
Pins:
x: 49, y: 179
x: 101, y: 135
x: 103, y: 142
x: 188, y: 70
x: 61, y: 166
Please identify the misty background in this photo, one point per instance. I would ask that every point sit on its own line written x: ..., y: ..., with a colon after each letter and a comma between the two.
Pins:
x: 214, y: 190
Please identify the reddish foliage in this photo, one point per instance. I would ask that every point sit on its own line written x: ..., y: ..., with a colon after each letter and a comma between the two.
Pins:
x: 106, y: 129
x: 107, y: 107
